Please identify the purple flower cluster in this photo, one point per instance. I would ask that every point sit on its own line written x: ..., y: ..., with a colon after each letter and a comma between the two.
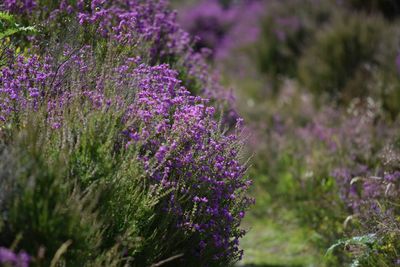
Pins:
x: 152, y: 26
x: 128, y: 21
x: 181, y: 144
x: 190, y: 158
x: 149, y: 26
x: 19, y: 6
x: 22, y: 85
x: 9, y: 258
x: 32, y: 82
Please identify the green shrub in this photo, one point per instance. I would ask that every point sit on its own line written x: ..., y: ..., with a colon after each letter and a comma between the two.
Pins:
x: 341, y: 60
x: 9, y: 27
x: 385, y: 86
x: 42, y: 209
x: 285, y: 35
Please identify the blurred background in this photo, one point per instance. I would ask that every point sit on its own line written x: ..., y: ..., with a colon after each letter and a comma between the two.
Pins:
x: 318, y: 84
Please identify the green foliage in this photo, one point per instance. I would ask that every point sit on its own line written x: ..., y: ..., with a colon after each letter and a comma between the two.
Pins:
x: 81, y: 196
x: 365, y: 240
x: 128, y: 207
x: 276, y: 57
x: 341, y: 60
x: 43, y: 206
x: 368, y: 250
x: 77, y: 186
x: 286, y: 30
x: 9, y: 26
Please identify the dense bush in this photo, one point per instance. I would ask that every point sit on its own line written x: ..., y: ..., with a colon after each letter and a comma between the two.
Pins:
x: 145, y: 29
x: 287, y: 29
x: 346, y: 55
x: 108, y: 158
x: 170, y: 141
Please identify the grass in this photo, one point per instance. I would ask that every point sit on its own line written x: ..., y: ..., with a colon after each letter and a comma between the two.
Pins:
x: 278, y: 241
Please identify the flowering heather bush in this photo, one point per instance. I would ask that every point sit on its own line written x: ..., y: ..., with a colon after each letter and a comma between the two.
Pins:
x: 18, y: 6
x: 22, y: 91
x: 149, y: 29
x: 178, y: 144
x: 183, y: 128
x: 153, y: 174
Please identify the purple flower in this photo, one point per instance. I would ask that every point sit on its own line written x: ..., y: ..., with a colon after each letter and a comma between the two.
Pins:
x: 20, y: 6
x: 17, y: 260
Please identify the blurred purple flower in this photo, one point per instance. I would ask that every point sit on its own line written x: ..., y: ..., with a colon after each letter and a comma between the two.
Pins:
x: 12, y: 259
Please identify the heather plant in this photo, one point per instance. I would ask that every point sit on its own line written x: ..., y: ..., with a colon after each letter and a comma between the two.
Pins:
x: 155, y: 131
x: 137, y: 167
x: 41, y: 211
x: 92, y: 208
x: 149, y: 28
